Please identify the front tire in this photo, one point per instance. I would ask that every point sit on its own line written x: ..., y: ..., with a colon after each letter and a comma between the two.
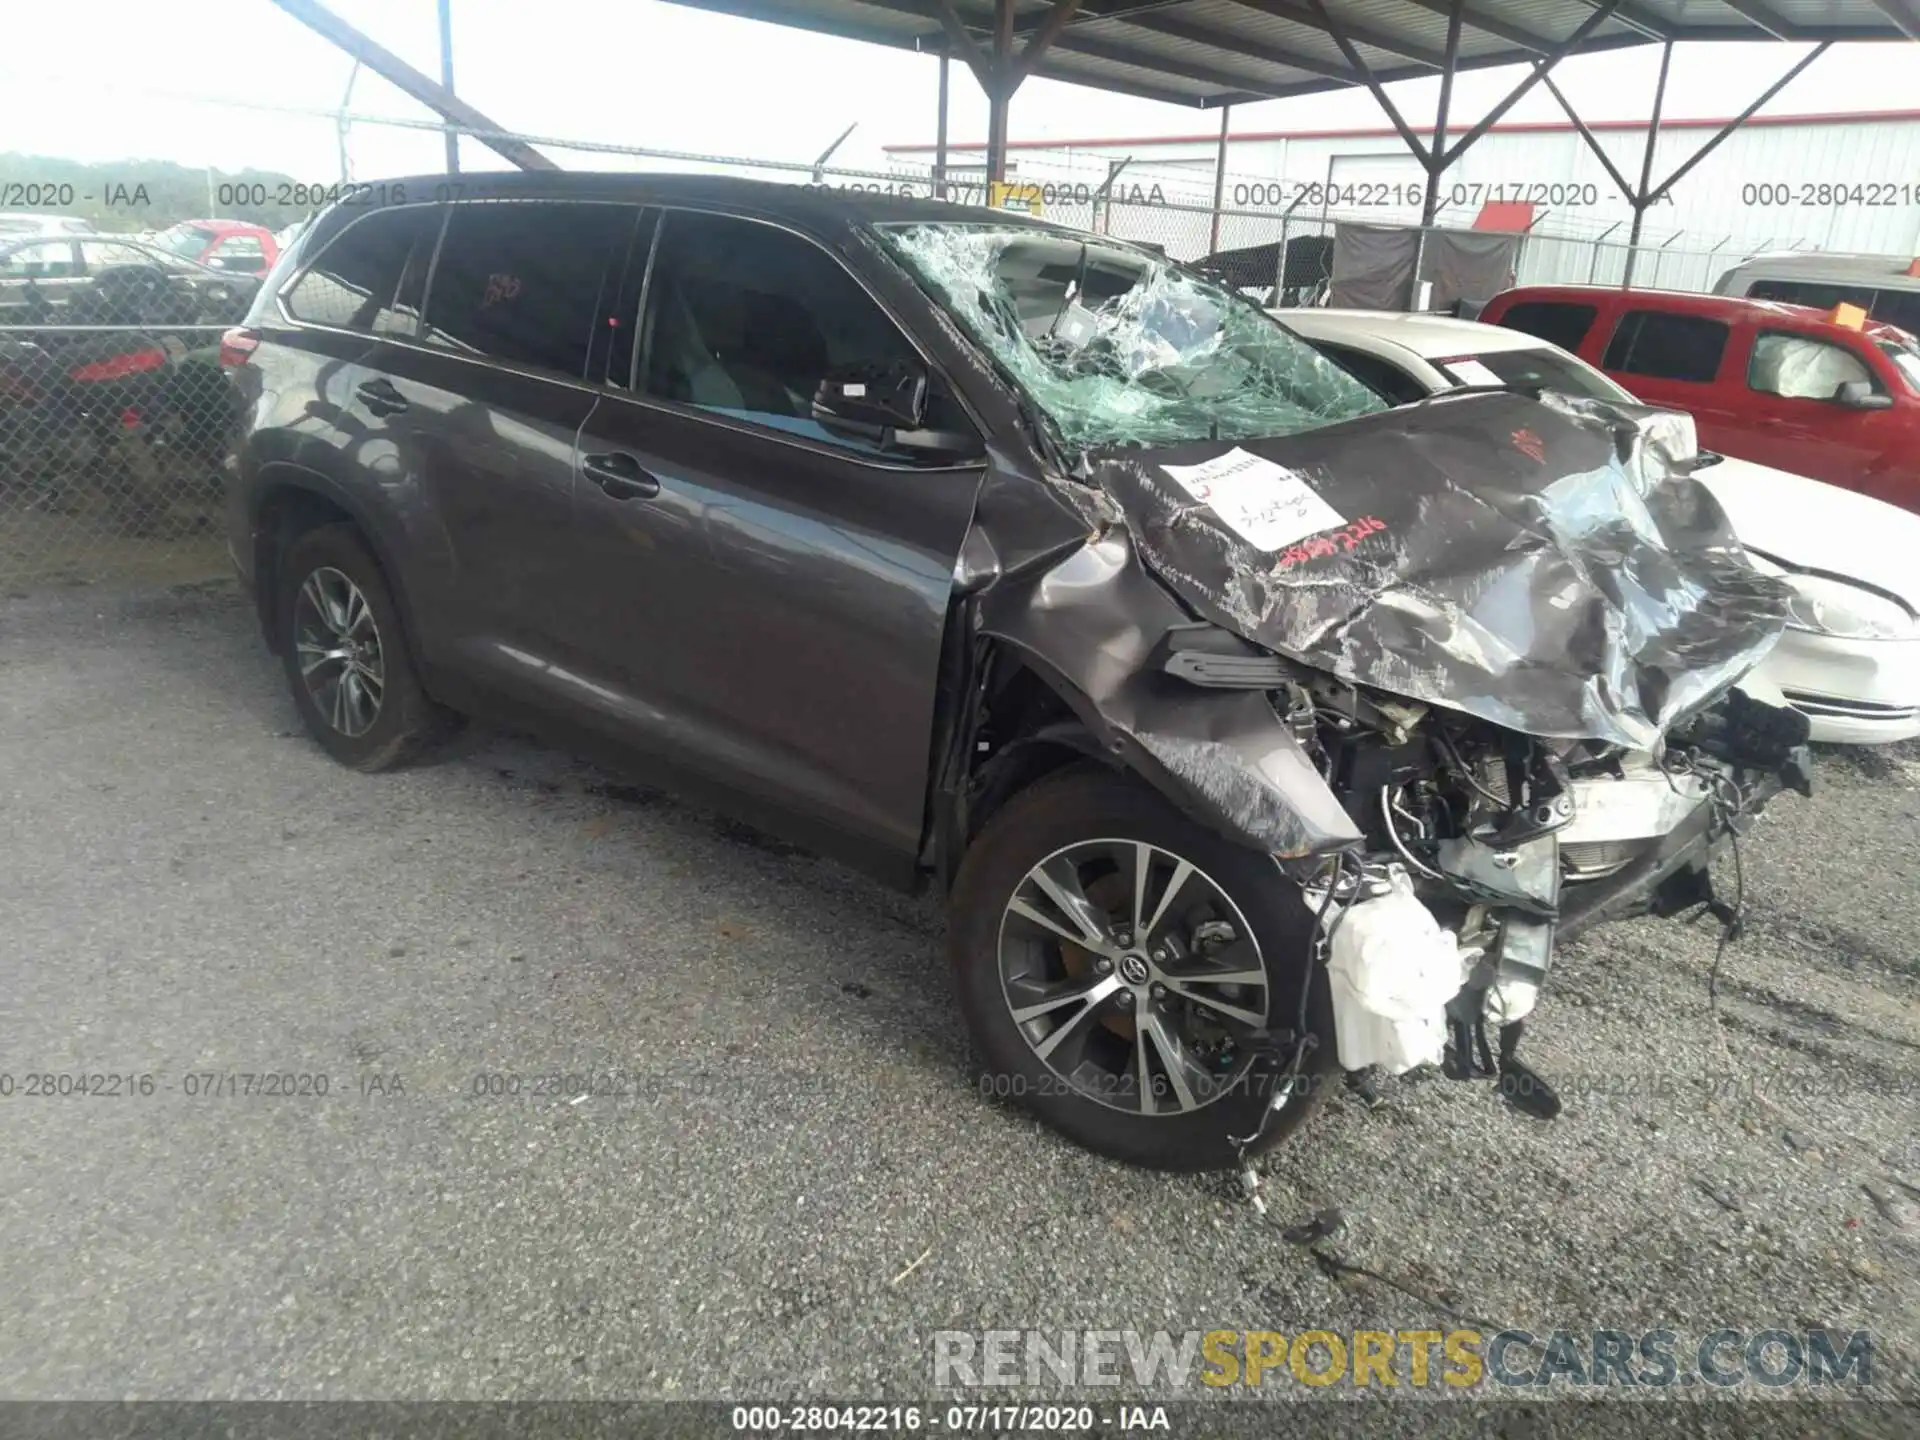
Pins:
x: 1115, y: 961
x: 346, y: 656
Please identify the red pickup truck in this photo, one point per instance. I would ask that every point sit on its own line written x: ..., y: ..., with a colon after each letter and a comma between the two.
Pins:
x: 1832, y: 395
x: 231, y: 245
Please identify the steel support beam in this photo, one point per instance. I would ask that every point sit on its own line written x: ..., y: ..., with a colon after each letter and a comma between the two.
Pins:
x: 1639, y: 200
x: 1340, y: 37
x: 940, y: 137
x: 1632, y: 16
x: 1430, y: 205
x: 389, y: 66
x: 446, y: 79
x: 1057, y: 20
x: 1219, y: 179
x: 1905, y: 19
x: 1499, y: 29
x: 1621, y: 183
x: 1314, y: 16
x: 1734, y: 124
x: 1000, y: 95
x: 1430, y: 201
x: 1541, y: 67
x: 1761, y: 18
x: 963, y: 45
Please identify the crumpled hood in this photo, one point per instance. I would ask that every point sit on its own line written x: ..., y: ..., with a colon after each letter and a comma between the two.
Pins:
x: 1542, y: 564
x: 1808, y: 525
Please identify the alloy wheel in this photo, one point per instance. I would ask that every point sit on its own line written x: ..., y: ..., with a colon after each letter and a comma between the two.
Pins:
x: 1133, y: 976
x: 338, y: 646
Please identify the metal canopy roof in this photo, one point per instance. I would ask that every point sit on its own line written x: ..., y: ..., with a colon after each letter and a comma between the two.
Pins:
x: 1209, y: 53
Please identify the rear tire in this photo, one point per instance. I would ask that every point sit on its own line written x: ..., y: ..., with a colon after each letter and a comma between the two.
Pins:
x: 346, y: 656
x: 1170, y: 909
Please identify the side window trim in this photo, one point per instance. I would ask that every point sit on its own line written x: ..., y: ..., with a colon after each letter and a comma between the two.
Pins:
x: 426, y: 283
x: 307, y: 262
x: 643, y: 316
x: 1608, y: 361
x: 627, y: 304
x: 643, y: 341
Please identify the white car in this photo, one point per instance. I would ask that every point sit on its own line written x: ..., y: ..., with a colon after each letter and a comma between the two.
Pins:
x: 1850, y: 659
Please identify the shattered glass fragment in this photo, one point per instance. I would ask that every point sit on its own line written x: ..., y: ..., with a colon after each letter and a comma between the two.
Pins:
x: 1120, y: 347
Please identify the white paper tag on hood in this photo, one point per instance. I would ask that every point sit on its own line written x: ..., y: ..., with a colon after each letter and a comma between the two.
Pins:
x: 1265, y: 504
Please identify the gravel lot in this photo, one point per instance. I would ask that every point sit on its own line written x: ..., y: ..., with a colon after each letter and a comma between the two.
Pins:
x: 189, y: 886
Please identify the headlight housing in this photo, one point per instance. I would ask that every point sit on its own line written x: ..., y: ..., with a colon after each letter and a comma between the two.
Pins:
x: 1833, y: 607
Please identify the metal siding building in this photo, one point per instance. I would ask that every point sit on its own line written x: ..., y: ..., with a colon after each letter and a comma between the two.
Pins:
x: 1717, y: 214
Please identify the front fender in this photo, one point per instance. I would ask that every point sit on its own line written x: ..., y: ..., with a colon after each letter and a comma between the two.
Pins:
x: 1088, y: 626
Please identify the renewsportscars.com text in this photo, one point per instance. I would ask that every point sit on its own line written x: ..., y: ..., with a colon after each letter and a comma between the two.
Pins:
x: 1194, y: 1360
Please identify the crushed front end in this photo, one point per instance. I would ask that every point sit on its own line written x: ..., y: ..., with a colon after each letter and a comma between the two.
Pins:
x: 1467, y: 669
x: 1514, y: 664
x: 1483, y: 848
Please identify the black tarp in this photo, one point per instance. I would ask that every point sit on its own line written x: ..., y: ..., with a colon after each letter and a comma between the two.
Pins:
x: 1372, y: 266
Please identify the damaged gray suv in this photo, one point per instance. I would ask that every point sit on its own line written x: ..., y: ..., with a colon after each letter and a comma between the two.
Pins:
x: 1256, y: 730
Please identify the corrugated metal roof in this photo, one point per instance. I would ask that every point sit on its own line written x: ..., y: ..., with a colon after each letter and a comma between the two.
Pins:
x: 1208, y: 53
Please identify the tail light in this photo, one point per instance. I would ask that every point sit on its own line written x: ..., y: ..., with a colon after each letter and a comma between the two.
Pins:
x: 119, y: 367
x: 237, y: 347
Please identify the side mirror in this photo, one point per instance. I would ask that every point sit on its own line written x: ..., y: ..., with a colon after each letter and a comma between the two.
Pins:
x: 872, y: 398
x: 1859, y: 395
x: 887, y: 405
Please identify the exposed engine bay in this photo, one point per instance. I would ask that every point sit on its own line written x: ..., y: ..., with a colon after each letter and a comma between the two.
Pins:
x: 1499, y: 707
x: 1507, y: 842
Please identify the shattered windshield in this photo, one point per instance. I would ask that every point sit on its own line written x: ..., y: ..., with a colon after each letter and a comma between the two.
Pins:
x: 1119, y: 347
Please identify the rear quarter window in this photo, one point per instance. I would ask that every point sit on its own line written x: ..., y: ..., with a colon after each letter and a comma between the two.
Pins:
x: 1375, y: 373
x: 352, y: 284
x: 1558, y: 322
x: 1662, y: 346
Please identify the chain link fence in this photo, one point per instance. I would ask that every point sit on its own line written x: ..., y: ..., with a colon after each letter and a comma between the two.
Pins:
x: 112, y: 435
x: 111, y: 443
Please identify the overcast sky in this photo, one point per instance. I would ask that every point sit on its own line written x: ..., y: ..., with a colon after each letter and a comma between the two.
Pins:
x: 99, y: 81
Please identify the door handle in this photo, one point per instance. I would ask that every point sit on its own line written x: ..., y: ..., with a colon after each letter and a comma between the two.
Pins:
x: 380, y: 396
x: 620, y: 475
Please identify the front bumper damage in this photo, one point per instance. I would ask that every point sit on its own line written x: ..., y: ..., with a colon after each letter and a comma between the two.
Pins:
x: 1494, y: 707
x: 1640, y: 841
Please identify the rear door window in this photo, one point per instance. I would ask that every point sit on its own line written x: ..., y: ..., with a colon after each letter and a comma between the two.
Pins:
x: 1664, y: 346
x: 353, y: 283
x: 1558, y: 322
x: 520, y: 281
